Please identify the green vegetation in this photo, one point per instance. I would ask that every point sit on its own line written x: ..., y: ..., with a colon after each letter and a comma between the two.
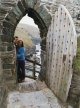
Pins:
x: 76, y: 61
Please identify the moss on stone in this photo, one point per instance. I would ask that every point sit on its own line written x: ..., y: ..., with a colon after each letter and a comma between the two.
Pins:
x: 76, y: 60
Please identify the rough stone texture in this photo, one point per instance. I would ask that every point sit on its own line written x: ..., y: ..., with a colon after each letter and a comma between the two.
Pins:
x: 41, y: 17
x: 42, y: 99
x: 43, y: 14
x: 73, y: 7
x: 79, y: 103
x: 33, y: 94
x: 43, y: 62
x: 31, y: 85
x: 0, y: 69
x: 11, y: 12
x: 3, y: 95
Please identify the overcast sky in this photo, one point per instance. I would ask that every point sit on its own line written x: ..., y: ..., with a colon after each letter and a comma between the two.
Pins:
x: 28, y: 20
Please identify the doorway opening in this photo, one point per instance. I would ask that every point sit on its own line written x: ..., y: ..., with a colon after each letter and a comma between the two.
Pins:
x: 29, y: 33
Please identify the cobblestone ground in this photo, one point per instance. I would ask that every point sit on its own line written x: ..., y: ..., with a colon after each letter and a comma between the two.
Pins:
x: 33, y: 94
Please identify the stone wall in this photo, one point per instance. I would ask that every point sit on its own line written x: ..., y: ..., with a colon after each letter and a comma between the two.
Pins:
x: 8, y: 75
x: 11, y: 12
x: 73, y: 7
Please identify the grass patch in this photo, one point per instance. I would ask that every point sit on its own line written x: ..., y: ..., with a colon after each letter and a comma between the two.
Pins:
x: 76, y: 60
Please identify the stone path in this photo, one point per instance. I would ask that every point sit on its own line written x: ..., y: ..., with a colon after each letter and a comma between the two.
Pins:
x: 32, y: 94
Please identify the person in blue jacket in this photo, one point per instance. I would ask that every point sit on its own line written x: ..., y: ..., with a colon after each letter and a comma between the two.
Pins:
x: 20, y: 53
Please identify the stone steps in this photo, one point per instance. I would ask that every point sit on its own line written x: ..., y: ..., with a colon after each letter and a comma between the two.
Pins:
x: 33, y: 94
x: 38, y: 99
x: 31, y: 85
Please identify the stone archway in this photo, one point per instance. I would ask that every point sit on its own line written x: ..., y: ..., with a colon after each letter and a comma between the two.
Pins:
x: 11, y: 12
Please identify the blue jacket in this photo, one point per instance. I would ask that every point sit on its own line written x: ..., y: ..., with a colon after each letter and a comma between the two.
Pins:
x: 20, y: 52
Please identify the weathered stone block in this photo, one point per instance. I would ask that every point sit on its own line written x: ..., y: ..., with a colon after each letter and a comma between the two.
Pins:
x: 3, y: 48
x: 24, y: 4
x: 17, y: 12
x: 7, y: 54
x: 7, y: 78
x: 1, y: 18
x: 3, y: 10
x: 79, y: 102
x: 1, y: 25
x: 3, y: 1
x: 31, y: 3
x: 10, y: 3
x: 3, y: 94
x: 38, y: 3
x: 12, y: 18
x: 6, y: 31
x: 8, y: 66
x: 7, y: 35
x: 12, y: 85
x: 7, y: 72
x: 10, y: 47
x: 8, y: 24
x: 21, y: 7
x: 42, y: 11
x: 0, y: 31
x: 7, y: 60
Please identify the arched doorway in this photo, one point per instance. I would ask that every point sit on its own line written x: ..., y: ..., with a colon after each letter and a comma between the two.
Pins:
x: 29, y: 33
x: 12, y: 15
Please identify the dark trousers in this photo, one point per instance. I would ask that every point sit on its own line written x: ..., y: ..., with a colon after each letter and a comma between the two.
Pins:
x: 20, y: 70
